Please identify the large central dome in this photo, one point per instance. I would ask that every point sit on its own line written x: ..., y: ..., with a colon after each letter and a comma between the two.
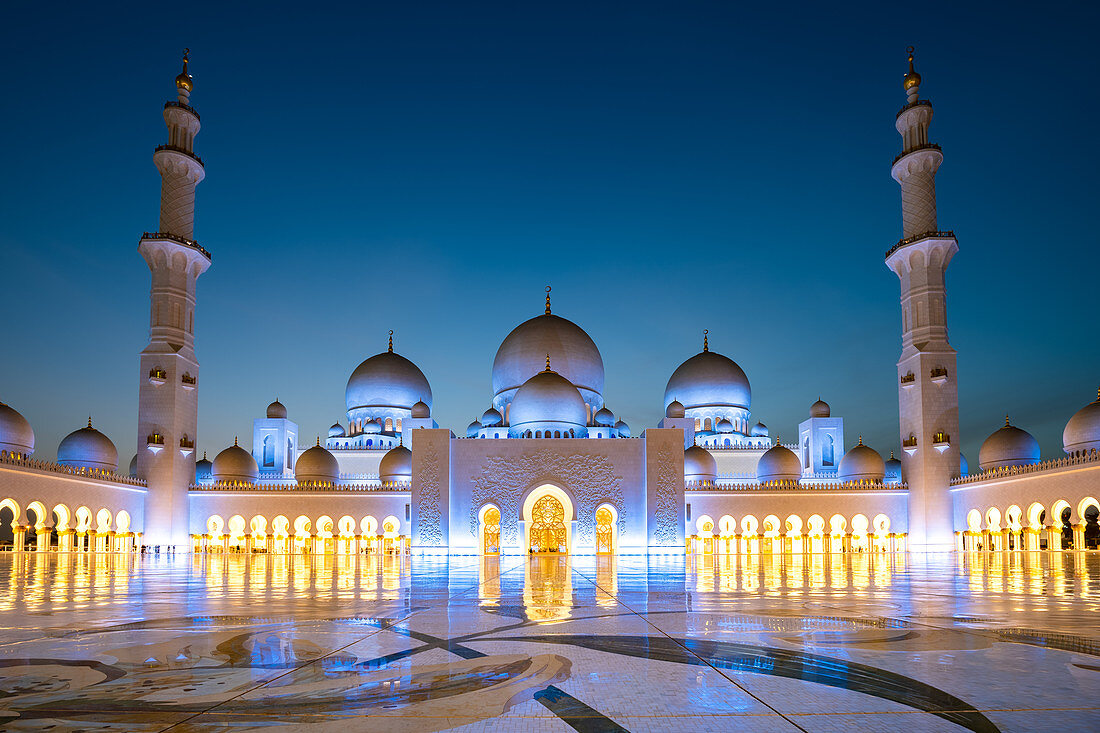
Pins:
x: 709, y: 379
x: 386, y: 381
x: 522, y: 355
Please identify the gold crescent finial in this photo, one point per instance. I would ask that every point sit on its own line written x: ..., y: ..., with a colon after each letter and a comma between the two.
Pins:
x: 391, y: 341
x: 706, y: 345
x: 89, y: 421
x: 1006, y: 421
x: 861, y: 440
x: 184, y: 81
x: 547, y: 300
x: 548, y: 362
x: 912, y: 78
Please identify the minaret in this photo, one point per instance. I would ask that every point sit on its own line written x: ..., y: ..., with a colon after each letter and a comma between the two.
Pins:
x: 928, y: 394
x: 168, y: 377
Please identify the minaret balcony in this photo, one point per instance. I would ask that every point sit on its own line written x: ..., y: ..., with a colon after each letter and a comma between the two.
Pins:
x: 183, y: 106
x: 908, y: 380
x: 157, y: 376
x: 181, y: 151
x: 938, y: 375
x: 910, y: 151
x: 941, y: 441
x: 911, y: 105
x: 169, y: 237
x: 909, y: 445
x: 155, y: 442
x: 918, y: 237
x: 188, y: 381
x: 187, y: 446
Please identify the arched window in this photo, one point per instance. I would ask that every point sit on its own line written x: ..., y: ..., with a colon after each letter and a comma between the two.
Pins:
x: 289, y: 453
x: 727, y: 441
x: 369, y: 443
x: 698, y: 424
x: 538, y: 433
x: 707, y: 424
x: 269, y: 451
x: 389, y: 424
x: 827, y: 450
x: 399, y: 425
x: 805, y: 452
x: 557, y: 433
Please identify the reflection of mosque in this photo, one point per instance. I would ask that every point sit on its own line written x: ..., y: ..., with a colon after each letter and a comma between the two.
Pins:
x: 548, y: 467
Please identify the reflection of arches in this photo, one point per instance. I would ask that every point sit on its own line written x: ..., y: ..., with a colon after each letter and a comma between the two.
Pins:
x: 489, y: 519
x: 605, y: 530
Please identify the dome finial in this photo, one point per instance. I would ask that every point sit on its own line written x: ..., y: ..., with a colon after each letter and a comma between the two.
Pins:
x: 706, y: 346
x: 89, y: 421
x: 204, y: 455
x: 184, y: 82
x: 391, y: 341
x: 911, y: 81
x: 234, y: 440
x: 891, y: 455
x: 547, y: 300
x: 861, y: 440
x: 548, y: 362
x: 1006, y: 421
x: 318, y: 441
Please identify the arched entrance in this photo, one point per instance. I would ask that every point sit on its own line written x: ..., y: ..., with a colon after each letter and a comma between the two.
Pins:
x: 605, y: 522
x: 547, y: 533
x: 490, y: 531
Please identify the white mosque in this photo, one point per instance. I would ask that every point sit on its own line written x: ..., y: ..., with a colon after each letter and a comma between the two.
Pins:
x: 547, y: 467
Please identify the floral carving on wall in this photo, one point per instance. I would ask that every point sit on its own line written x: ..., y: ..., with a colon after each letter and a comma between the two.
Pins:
x: 429, y: 527
x: 670, y: 501
x: 590, y: 478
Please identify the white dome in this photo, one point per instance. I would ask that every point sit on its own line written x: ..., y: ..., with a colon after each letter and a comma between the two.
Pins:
x: 622, y: 429
x: 724, y: 426
x: 759, y: 430
x: 316, y: 466
x: 88, y: 448
x: 235, y: 464
x: 674, y: 409
x: 708, y: 379
x: 491, y: 418
x: 396, y: 465
x: 699, y: 465
x: 421, y: 410
x: 547, y: 399
x: 778, y: 464
x: 276, y: 410
x: 862, y: 463
x: 372, y: 427
x: 523, y: 352
x: 472, y: 429
x: 820, y: 409
x: 336, y: 431
x: 387, y: 381
x: 204, y: 469
x: 16, y: 435
x: 1082, y: 432
x: 604, y: 417
x: 1009, y: 446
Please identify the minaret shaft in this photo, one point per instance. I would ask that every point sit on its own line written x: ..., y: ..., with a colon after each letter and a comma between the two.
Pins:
x: 928, y: 398
x: 168, y: 372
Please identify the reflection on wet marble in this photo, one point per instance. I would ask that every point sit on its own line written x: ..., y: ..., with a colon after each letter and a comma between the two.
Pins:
x: 983, y: 642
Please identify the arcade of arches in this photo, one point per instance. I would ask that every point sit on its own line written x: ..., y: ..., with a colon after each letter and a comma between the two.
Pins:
x: 1057, y: 526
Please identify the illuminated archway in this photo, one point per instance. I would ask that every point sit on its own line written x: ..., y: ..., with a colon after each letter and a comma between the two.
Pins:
x: 606, y: 529
x: 548, y: 516
x: 489, y: 536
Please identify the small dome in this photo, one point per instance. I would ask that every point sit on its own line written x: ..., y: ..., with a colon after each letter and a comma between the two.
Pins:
x: 276, y: 410
x: 491, y: 418
x: 604, y: 417
x: 16, y: 435
x: 204, y: 469
x: 547, y: 397
x: 372, y: 427
x: 235, y: 464
x: 759, y: 430
x: 421, y: 411
x: 316, y: 466
x: 862, y: 463
x: 724, y: 426
x: 1009, y: 446
x: 88, y: 448
x: 132, y: 471
x: 396, y: 465
x: 675, y: 409
x: 699, y: 465
x: 1082, y: 432
x: 622, y: 429
x: 819, y: 409
x: 336, y: 431
x: 893, y: 470
x: 778, y: 464
x: 473, y: 429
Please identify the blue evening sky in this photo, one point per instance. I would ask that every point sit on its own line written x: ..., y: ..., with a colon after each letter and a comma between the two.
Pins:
x: 666, y: 167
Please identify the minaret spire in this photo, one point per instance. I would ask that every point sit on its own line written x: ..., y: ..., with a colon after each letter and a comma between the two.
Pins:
x: 928, y: 393
x: 390, y: 348
x: 706, y: 345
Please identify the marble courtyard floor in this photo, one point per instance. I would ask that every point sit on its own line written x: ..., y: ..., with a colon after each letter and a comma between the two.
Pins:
x: 1008, y: 642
